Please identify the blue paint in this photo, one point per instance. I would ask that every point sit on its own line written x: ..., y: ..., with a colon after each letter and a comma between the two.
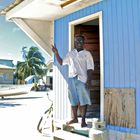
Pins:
x: 121, y: 34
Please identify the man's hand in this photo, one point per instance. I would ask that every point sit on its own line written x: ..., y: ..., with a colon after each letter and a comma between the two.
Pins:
x: 88, y: 83
x: 89, y: 75
x: 54, y: 49
x: 59, y: 59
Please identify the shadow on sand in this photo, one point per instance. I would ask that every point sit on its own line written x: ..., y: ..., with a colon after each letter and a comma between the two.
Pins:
x: 7, y: 104
x: 4, y: 104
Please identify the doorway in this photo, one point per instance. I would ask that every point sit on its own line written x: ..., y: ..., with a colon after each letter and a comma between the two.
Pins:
x: 91, y: 28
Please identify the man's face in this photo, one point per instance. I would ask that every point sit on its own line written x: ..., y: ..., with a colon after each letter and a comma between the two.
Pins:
x: 79, y: 42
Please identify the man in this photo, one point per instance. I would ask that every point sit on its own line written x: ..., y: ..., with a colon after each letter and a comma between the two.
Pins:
x: 81, y: 65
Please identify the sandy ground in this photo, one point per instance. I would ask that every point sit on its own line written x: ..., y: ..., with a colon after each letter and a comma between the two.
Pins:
x: 19, y: 116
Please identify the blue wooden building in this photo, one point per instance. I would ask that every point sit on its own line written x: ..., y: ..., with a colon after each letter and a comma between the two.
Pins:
x: 112, y: 32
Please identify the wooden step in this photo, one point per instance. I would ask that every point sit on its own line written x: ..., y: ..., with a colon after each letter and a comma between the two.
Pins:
x: 61, y: 124
x: 74, y: 131
x: 76, y: 128
x: 65, y: 135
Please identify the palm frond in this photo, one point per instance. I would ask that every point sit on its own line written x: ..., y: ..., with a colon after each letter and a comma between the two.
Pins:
x: 34, y: 64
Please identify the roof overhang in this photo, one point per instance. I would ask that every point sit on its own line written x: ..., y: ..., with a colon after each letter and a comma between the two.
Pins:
x: 47, y: 9
x: 6, y: 67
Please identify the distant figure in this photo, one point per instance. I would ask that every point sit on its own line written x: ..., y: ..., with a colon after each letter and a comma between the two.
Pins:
x: 81, y: 65
x: 35, y: 87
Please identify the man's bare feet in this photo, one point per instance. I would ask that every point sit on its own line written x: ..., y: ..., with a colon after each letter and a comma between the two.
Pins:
x: 72, y: 121
x: 83, y: 124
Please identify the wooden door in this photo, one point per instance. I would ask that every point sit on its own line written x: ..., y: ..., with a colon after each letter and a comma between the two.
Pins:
x: 91, y: 34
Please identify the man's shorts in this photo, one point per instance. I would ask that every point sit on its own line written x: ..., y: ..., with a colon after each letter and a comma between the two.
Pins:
x: 78, y: 92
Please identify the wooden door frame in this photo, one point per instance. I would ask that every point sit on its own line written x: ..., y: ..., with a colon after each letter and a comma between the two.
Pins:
x: 71, y: 45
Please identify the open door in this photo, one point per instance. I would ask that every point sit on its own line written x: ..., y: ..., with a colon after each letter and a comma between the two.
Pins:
x: 90, y: 31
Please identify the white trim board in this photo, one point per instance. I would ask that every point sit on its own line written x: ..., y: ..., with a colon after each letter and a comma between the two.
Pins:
x: 33, y: 35
x: 71, y: 45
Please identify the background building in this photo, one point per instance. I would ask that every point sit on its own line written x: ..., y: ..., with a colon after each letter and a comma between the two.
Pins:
x: 6, y: 71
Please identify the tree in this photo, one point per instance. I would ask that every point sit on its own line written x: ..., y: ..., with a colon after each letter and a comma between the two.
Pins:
x: 33, y: 64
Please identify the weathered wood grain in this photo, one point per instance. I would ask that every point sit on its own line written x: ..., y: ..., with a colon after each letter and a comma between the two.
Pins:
x: 120, y: 107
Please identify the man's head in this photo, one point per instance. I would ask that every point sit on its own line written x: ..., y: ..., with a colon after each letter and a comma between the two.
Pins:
x: 79, y: 41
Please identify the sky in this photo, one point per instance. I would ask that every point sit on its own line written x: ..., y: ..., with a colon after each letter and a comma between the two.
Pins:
x: 12, y: 38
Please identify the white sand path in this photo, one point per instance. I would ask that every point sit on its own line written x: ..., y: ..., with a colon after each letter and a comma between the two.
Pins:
x: 19, y: 116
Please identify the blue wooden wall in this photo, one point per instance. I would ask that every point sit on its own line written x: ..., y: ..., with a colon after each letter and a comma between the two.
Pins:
x: 121, y: 42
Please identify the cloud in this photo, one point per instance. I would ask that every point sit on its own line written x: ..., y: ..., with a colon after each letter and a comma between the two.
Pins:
x: 6, y: 56
x: 15, y: 29
x: 9, y: 55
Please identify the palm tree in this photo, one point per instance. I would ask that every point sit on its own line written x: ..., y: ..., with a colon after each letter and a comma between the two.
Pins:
x: 33, y: 64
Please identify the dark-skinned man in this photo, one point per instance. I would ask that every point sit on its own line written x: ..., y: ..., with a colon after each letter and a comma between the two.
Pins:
x: 81, y: 66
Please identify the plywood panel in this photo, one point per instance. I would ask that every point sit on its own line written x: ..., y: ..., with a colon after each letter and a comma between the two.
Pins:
x: 120, y: 107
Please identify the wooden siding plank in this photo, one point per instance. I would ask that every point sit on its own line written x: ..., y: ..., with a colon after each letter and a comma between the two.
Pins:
x: 115, y: 43
x: 131, y: 44
x: 106, y: 47
x: 62, y: 69
x: 111, y: 50
x: 65, y: 73
x: 136, y: 25
x: 59, y: 82
x: 120, y: 44
x: 126, y: 44
x: 63, y: 97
